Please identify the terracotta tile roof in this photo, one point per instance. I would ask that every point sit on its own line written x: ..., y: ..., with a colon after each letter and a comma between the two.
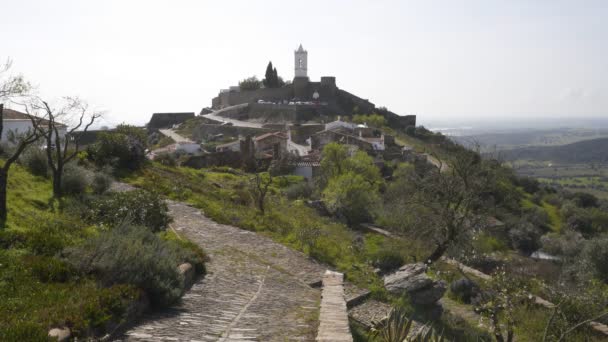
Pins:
x: 11, y: 114
x: 267, y: 135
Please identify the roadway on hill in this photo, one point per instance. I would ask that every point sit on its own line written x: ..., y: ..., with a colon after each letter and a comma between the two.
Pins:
x: 173, y: 135
x: 217, y: 116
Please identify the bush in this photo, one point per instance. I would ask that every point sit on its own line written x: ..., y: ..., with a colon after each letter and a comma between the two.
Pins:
x: 299, y: 190
x: 36, y: 162
x: 595, y: 258
x: 350, y: 196
x: 166, y: 158
x: 387, y: 260
x: 101, y: 183
x: 568, y: 244
x: 525, y: 237
x: 74, y: 180
x: 48, y: 269
x: 123, y: 148
x: 464, y: 289
x: 135, y: 256
x: 139, y: 207
x: 585, y: 200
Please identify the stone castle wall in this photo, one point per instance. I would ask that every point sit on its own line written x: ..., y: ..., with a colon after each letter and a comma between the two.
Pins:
x: 246, y: 96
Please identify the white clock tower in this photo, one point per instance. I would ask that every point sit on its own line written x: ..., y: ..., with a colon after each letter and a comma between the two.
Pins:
x: 301, y: 62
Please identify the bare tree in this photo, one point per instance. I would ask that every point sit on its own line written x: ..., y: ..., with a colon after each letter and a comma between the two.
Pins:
x: 62, y: 147
x: 259, y: 190
x: 10, y: 88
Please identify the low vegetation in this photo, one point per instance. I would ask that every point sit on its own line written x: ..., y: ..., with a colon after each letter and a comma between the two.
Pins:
x: 60, y: 266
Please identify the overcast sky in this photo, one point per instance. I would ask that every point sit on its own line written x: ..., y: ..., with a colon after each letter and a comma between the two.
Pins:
x: 441, y: 60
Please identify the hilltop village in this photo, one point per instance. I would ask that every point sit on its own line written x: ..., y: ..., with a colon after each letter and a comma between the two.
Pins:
x: 274, y: 120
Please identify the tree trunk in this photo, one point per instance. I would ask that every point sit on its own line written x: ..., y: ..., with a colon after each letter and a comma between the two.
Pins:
x: 3, y: 183
x: 437, y: 253
x: 261, y: 204
x: 57, y: 191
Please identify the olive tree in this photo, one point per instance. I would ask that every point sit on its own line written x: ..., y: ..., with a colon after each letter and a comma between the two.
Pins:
x: 62, y: 146
x: 445, y: 203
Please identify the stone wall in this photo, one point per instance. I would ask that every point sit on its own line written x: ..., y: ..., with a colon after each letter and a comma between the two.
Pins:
x: 201, y: 132
x: 349, y: 101
x: 275, y: 113
x: 227, y: 158
x: 246, y: 96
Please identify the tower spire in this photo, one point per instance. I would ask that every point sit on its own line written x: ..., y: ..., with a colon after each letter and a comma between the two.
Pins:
x: 301, y: 62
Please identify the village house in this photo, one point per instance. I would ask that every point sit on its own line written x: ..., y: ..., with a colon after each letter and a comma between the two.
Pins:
x: 265, y: 145
x: 15, y: 123
x: 360, y: 135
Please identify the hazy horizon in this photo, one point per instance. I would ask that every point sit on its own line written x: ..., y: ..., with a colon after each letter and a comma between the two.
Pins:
x: 468, y: 62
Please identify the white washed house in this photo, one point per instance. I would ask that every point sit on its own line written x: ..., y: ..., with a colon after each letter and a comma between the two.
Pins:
x: 19, y: 123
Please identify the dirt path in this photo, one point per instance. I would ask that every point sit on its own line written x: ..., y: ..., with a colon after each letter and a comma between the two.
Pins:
x: 255, y: 289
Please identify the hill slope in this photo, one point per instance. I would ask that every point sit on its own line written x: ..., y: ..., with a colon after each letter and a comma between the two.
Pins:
x: 588, y: 151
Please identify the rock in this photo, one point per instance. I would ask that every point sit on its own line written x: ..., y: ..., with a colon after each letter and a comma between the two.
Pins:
x: 61, y: 334
x: 408, y: 278
x: 429, y: 295
x: 187, y: 272
x: 465, y: 289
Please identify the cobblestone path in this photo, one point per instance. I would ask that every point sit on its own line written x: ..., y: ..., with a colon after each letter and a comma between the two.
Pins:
x: 254, y: 290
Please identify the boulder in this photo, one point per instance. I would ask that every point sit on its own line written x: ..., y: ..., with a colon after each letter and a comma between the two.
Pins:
x: 60, y: 334
x: 408, y: 278
x: 465, y: 289
x: 186, y: 270
x: 429, y: 295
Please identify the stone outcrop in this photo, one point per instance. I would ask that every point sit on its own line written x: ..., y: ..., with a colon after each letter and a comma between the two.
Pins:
x: 429, y: 295
x: 408, y: 278
x: 60, y: 334
x: 186, y: 270
x: 412, y: 280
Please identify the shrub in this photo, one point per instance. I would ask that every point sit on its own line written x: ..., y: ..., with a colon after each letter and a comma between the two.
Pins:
x: 568, y: 244
x: 595, y: 257
x: 387, y: 260
x: 166, y: 158
x: 101, y: 183
x: 585, y: 200
x: 133, y: 255
x: 299, y: 190
x: 48, y: 269
x: 36, y: 162
x: 464, y: 289
x: 351, y: 197
x: 74, y: 180
x: 123, y: 148
x: 525, y: 237
x: 139, y: 207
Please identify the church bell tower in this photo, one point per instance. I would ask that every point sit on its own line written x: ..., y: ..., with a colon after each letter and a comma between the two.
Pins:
x: 301, y: 62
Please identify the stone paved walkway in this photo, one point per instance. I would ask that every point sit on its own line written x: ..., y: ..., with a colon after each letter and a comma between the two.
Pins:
x: 333, y: 319
x: 255, y: 289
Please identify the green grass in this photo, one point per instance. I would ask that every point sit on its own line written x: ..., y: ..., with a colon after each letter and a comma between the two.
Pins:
x: 37, y: 290
x: 555, y: 218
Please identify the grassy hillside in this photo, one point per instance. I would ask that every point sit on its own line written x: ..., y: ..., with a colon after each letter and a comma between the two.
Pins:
x: 588, y: 151
x: 41, y: 287
x: 37, y: 289
x: 532, y: 137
